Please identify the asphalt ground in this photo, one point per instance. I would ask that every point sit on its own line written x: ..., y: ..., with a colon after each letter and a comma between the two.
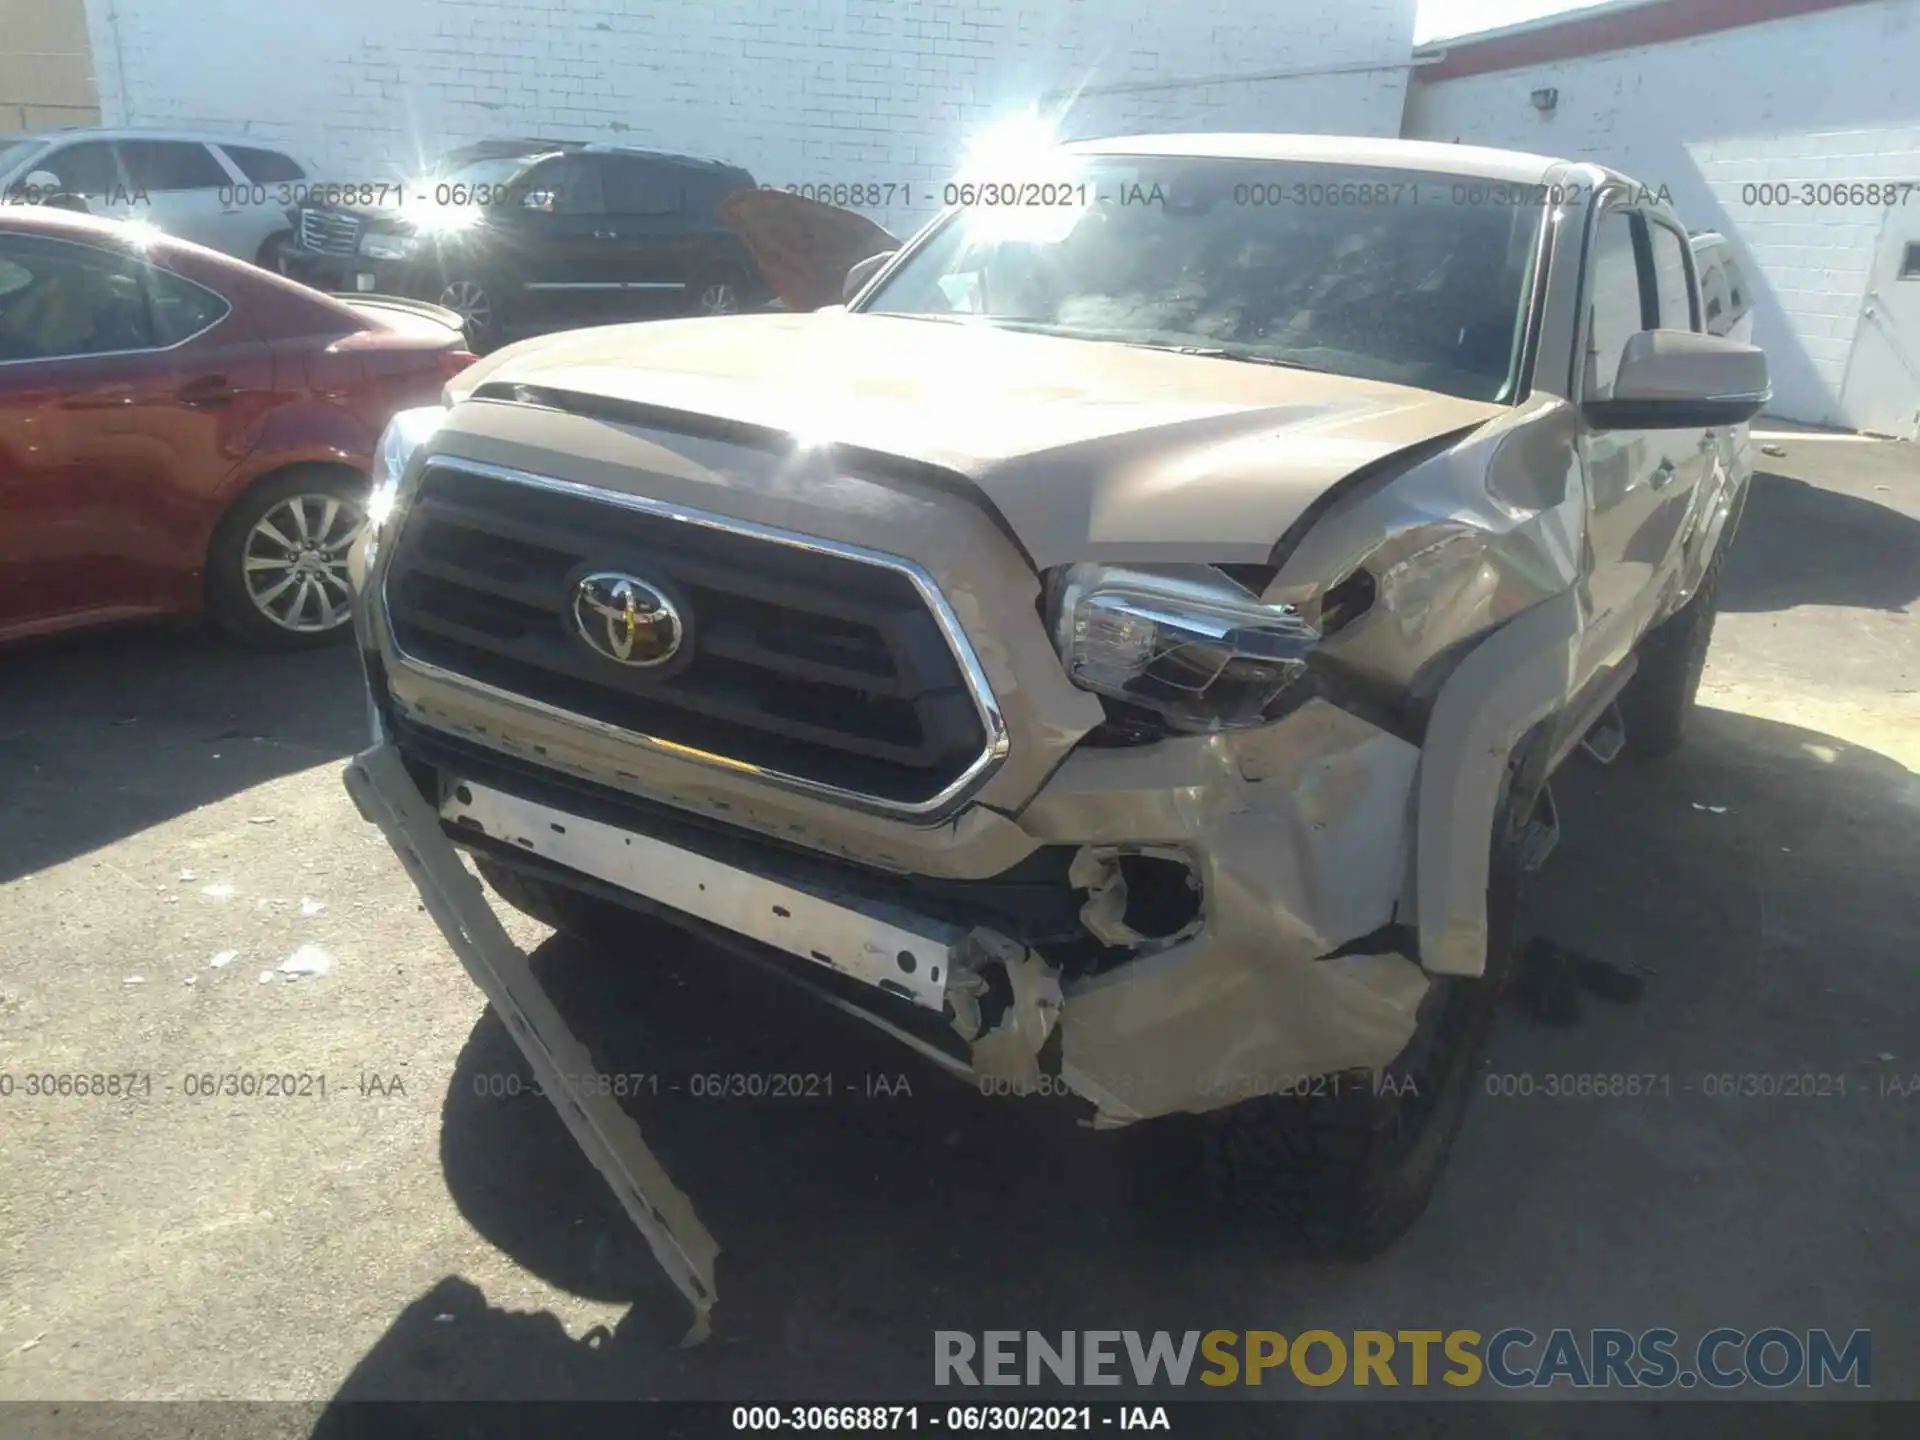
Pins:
x: 173, y: 811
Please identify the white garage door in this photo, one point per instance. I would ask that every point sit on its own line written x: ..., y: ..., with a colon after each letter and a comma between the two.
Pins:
x: 1882, y: 390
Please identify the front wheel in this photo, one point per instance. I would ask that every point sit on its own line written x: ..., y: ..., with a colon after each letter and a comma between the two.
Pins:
x: 478, y: 309
x: 277, y: 568
x: 272, y: 254
x: 721, y: 292
x: 1352, y: 1165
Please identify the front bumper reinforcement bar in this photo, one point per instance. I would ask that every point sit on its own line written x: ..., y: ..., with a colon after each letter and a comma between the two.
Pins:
x: 386, y: 796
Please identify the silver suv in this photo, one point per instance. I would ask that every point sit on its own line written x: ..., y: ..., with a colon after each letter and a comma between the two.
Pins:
x: 1123, y: 653
x: 225, y: 192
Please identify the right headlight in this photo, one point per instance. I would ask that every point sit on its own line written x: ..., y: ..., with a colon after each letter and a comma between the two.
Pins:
x: 1181, y: 640
x: 405, y: 433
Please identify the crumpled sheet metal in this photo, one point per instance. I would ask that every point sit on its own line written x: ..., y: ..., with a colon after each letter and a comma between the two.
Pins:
x: 1095, y: 870
x: 384, y: 794
x: 1457, y: 546
x: 1205, y: 1026
x: 1311, y: 855
x: 1010, y: 1051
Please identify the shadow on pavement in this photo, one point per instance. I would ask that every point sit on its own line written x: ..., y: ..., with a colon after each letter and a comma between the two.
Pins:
x: 103, y: 735
x: 854, y: 1226
x: 1802, y: 544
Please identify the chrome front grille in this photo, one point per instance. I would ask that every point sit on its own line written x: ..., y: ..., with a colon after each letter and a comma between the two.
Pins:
x: 819, y: 666
x: 328, y: 232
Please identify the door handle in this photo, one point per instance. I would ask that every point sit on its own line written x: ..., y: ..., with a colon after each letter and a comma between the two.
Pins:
x: 207, y: 393
x: 606, y: 235
x: 1663, y: 474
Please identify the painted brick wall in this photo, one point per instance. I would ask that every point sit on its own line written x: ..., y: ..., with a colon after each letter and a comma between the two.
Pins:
x: 797, y: 90
x: 1821, y: 98
x: 46, y: 74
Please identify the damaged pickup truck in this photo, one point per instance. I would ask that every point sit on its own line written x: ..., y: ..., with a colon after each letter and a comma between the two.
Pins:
x: 1121, y: 653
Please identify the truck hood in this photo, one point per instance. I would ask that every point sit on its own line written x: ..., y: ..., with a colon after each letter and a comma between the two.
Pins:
x: 1089, y: 450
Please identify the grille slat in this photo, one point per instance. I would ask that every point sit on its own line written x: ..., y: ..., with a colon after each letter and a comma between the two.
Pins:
x: 733, y: 641
x: 547, y: 597
x: 815, y: 665
x: 556, y: 546
x: 329, y: 233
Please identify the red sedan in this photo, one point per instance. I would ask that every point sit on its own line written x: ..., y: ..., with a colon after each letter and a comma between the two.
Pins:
x: 181, y: 431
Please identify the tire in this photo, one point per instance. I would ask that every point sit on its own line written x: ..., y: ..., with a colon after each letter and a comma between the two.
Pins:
x: 272, y: 253
x: 277, y: 567
x: 1352, y: 1166
x: 721, y: 292
x: 1658, y: 701
x: 582, y: 917
x: 477, y: 303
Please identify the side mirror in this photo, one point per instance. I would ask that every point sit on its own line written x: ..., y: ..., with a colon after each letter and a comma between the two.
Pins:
x: 858, y: 276
x: 538, y: 200
x: 1677, y: 380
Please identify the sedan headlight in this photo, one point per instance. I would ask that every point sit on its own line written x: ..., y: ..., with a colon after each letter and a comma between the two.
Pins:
x: 1183, y: 641
x: 388, y: 244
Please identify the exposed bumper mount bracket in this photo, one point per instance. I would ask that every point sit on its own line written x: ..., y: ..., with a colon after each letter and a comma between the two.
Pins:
x: 385, y: 795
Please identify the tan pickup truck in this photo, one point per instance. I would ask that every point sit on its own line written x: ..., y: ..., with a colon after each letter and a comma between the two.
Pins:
x: 1122, y: 652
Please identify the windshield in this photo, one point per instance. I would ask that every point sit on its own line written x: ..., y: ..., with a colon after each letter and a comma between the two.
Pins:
x: 1383, y: 274
x: 493, y: 170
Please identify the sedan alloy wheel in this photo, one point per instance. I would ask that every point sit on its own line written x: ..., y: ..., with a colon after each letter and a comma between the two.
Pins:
x: 468, y: 300
x: 295, y: 559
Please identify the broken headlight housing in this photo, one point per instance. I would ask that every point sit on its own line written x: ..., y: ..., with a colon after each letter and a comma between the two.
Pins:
x: 1182, y: 641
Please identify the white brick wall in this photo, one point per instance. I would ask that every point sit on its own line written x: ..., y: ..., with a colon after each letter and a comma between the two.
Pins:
x: 1833, y: 96
x: 797, y: 90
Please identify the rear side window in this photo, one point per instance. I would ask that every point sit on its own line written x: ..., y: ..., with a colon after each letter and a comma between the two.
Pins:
x: 181, y: 309
x: 76, y: 301
x: 170, y: 165
x: 1736, y: 286
x: 1713, y: 294
x: 1669, y: 249
x: 642, y: 187
x: 264, y: 167
x: 1617, y: 301
x: 705, y: 192
x: 89, y: 168
x: 569, y: 186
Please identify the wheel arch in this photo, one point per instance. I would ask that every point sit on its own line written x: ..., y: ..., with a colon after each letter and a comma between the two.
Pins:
x: 268, y: 249
x: 1517, y: 677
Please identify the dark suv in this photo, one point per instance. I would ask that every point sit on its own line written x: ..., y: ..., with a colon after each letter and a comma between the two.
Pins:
x: 531, y: 235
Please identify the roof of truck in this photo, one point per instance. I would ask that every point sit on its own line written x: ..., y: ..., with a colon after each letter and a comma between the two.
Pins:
x: 1431, y: 155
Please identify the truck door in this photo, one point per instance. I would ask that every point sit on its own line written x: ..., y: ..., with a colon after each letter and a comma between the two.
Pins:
x: 1637, y: 480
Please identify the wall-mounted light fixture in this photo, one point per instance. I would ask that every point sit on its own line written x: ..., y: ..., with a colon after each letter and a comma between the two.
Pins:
x: 1545, y: 100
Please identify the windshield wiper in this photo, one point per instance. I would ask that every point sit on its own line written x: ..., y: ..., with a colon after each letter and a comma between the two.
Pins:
x: 1064, y: 332
x: 1215, y: 352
